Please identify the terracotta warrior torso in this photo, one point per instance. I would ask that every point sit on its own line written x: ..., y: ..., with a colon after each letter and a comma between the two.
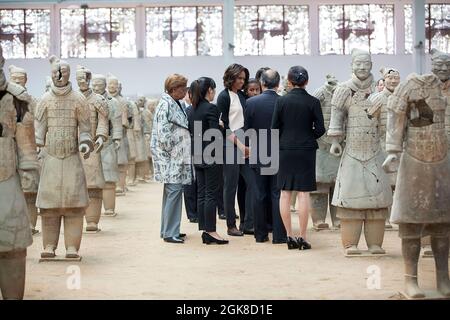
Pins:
x: 16, y: 153
x: 361, y: 182
x: 62, y: 123
x: 122, y: 153
x: 326, y: 164
x: 98, y: 110
x: 417, y: 122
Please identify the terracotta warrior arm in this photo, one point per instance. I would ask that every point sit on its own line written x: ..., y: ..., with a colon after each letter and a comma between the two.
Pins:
x: 103, y: 119
x: 84, y: 124
x: 116, y: 120
x: 377, y: 103
x: 339, y: 104
x: 396, y: 119
x: 137, y: 126
x: 40, y: 122
x: 26, y: 145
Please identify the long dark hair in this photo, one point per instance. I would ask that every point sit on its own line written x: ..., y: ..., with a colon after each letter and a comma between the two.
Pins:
x: 199, y: 88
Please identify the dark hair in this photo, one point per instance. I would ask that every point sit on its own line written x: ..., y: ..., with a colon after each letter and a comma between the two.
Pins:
x: 259, y: 73
x: 270, y: 78
x: 231, y: 74
x: 199, y: 88
x: 250, y: 81
x: 382, y: 79
x: 298, y: 76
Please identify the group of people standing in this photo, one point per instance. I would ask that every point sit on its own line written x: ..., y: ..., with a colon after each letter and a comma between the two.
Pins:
x: 211, y: 186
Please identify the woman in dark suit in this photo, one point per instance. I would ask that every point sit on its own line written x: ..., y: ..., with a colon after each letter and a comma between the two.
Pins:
x: 207, y: 170
x: 298, y: 117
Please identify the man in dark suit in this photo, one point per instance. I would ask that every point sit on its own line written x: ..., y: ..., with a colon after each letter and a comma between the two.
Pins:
x: 266, y: 196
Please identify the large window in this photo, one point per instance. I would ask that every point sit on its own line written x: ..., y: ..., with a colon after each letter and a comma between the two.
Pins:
x: 437, y: 27
x: 271, y: 30
x: 184, y: 31
x: 25, y: 33
x: 368, y: 27
x: 98, y: 33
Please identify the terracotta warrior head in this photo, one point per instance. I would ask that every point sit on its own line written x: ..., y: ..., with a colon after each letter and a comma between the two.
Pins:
x: 60, y: 71
x: 84, y: 76
x: 331, y: 80
x: 99, y: 83
x: 140, y: 102
x: 440, y: 64
x: 17, y: 75
x: 113, y: 85
x: 391, y: 78
x: 361, y: 64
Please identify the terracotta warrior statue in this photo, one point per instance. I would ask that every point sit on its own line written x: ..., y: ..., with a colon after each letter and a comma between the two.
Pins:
x: 362, y: 191
x: 379, y: 101
x: 63, y: 130
x: 109, y: 150
x: 326, y: 164
x: 417, y: 145
x: 17, y: 152
x: 135, y: 141
x: 29, y: 181
x: 124, y: 149
x: 142, y: 156
x: 147, y: 117
x: 99, y: 112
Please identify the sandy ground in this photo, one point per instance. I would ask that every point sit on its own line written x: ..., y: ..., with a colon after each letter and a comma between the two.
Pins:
x: 128, y: 260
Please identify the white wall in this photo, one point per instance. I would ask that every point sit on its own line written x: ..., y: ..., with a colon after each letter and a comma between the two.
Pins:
x: 147, y: 75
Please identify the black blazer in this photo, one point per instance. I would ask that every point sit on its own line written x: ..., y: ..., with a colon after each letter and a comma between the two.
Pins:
x: 208, y: 114
x: 223, y: 103
x: 258, y: 115
x: 299, y: 118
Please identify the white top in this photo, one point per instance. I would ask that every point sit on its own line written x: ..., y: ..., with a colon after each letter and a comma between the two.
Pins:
x: 236, y: 113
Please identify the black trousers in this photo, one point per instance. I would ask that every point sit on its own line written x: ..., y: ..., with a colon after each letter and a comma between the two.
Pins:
x: 266, y: 199
x: 190, y: 199
x: 220, y: 209
x: 208, y: 185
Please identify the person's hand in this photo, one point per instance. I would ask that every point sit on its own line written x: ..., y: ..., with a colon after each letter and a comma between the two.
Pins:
x: 84, y: 149
x: 336, y: 149
x: 246, y: 151
x: 116, y: 144
x: 99, y: 144
x: 390, y: 165
x: 221, y: 123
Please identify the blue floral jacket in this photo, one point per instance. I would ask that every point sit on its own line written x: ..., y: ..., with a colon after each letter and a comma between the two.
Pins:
x: 171, y: 143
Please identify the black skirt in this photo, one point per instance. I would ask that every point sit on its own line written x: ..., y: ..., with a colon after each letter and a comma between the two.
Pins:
x: 297, y: 170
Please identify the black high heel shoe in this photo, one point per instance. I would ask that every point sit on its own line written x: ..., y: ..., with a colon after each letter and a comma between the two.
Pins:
x: 208, y: 239
x: 292, y: 243
x: 303, y: 244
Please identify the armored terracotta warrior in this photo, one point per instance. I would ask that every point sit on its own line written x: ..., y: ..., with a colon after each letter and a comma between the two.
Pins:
x: 379, y: 101
x: 63, y: 130
x: 123, y: 151
x: 136, y: 152
x: 93, y: 168
x: 29, y: 181
x: 17, y: 152
x: 142, y: 163
x: 362, y: 191
x: 417, y: 145
x: 147, y: 117
x: 326, y: 164
x: 110, y: 147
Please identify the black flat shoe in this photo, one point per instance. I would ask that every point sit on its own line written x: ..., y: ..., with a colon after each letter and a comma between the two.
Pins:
x: 278, y: 241
x: 174, y: 240
x: 292, y: 243
x: 303, y: 245
x: 261, y: 240
x: 208, y: 239
x: 182, y: 235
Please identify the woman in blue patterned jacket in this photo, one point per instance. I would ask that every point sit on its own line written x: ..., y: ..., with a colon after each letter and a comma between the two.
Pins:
x: 171, y: 151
